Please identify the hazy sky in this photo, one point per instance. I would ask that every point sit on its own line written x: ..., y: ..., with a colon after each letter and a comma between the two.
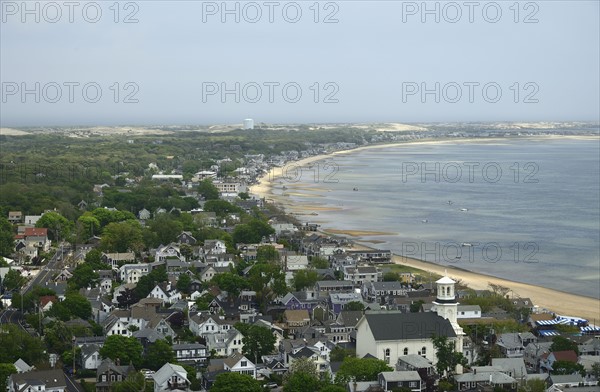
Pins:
x: 482, y: 61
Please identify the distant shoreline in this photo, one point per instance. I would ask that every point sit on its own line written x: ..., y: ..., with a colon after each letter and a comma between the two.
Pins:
x: 554, y: 300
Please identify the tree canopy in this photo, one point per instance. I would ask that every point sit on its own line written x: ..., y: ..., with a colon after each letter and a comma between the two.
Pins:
x: 257, y: 340
x: 235, y: 382
x: 126, y: 349
x: 360, y: 369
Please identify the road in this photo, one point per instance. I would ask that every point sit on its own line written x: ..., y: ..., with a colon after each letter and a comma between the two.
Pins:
x: 45, y: 274
x: 11, y: 316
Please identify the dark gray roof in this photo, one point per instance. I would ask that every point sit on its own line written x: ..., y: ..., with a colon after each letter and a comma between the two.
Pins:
x: 386, y: 325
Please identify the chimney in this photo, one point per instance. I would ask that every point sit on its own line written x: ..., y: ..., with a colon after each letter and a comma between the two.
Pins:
x: 474, y: 371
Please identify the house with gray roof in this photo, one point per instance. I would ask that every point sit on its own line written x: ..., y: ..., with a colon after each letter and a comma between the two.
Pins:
x: 485, y: 376
x: 171, y: 377
x: 42, y: 380
x: 400, y: 379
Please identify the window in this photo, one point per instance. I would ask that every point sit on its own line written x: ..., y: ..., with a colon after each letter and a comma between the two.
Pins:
x: 423, y: 351
x: 244, y: 363
x: 406, y: 351
x: 386, y: 355
x: 413, y: 384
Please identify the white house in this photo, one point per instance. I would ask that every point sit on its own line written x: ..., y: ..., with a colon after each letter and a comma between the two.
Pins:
x: 131, y: 273
x: 468, y: 311
x: 238, y: 363
x: 170, y: 377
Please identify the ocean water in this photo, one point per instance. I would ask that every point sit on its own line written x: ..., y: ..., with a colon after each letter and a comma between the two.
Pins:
x: 524, y: 210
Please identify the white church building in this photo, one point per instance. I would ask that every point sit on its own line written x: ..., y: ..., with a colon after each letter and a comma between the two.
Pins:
x: 388, y: 335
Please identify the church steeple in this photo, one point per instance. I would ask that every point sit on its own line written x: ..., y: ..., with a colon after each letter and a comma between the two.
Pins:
x: 446, y: 306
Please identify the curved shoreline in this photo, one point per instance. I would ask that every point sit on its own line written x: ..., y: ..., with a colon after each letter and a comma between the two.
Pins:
x: 557, y: 301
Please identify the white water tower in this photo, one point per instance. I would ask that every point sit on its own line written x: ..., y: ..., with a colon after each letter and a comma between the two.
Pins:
x: 248, y: 123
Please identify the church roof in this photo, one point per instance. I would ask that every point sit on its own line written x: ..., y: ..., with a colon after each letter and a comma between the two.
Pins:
x: 389, y: 325
x: 445, y: 280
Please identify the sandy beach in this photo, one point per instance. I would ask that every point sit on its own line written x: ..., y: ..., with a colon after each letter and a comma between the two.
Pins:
x: 559, y: 302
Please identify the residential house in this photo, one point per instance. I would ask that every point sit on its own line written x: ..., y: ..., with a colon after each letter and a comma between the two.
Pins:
x: 191, y: 353
x: 417, y: 363
x: 144, y: 214
x: 400, y: 379
x: 202, y: 324
x: 42, y: 380
x: 482, y: 376
x: 238, y: 363
x: 225, y: 343
x: 533, y: 354
x: 323, y: 287
x: 378, y: 291
x: 341, y: 260
x: 214, y: 247
x: 307, y: 299
x: 514, y: 367
x: 171, y: 377
x: 186, y: 237
x: 567, y: 356
x: 15, y: 217
x: 63, y: 275
x: 90, y: 356
x: 338, y: 301
x: 38, y: 237
x: 296, y: 319
x: 361, y: 274
x: 114, y: 259
x: 31, y: 220
x: 22, y: 366
x: 513, y: 345
x: 468, y: 311
x: 131, y: 273
x: 166, y: 252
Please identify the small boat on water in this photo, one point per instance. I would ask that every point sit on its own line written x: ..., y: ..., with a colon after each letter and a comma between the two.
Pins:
x: 464, y: 209
x: 449, y: 202
x: 424, y: 221
x: 466, y: 244
x: 355, y: 189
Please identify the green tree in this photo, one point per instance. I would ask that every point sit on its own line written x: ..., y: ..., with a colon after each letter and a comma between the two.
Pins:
x: 221, y: 207
x: 560, y: 343
x: 333, y: 388
x: 126, y: 349
x: 533, y: 385
x: 183, y: 283
x: 267, y: 253
x: 6, y: 369
x: 566, y: 367
x: 230, y: 282
x: 354, y: 305
x: 235, y: 382
x: 134, y: 382
x: 208, y: 190
x: 89, y: 226
x: 319, y: 262
x: 257, y: 340
x: 338, y: 354
x: 75, y: 305
x: 58, y: 226
x: 596, y: 370
x: 302, y: 376
x: 158, y: 353
x: 83, y: 276
x: 301, y: 382
x: 7, y: 237
x: 13, y: 280
x: 391, y: 277
x: 166, y: 228
x: 447, y: 357
x: 16, y: 343
x: 360, y: 369
x: 122, y: 237
x: 305, y: 278
x: 94, y: 257
x: 148, y: 282
x: 415, y: 307
x: 244, y: 195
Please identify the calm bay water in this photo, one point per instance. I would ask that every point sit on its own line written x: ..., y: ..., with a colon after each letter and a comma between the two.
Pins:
x: 525, y: 210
